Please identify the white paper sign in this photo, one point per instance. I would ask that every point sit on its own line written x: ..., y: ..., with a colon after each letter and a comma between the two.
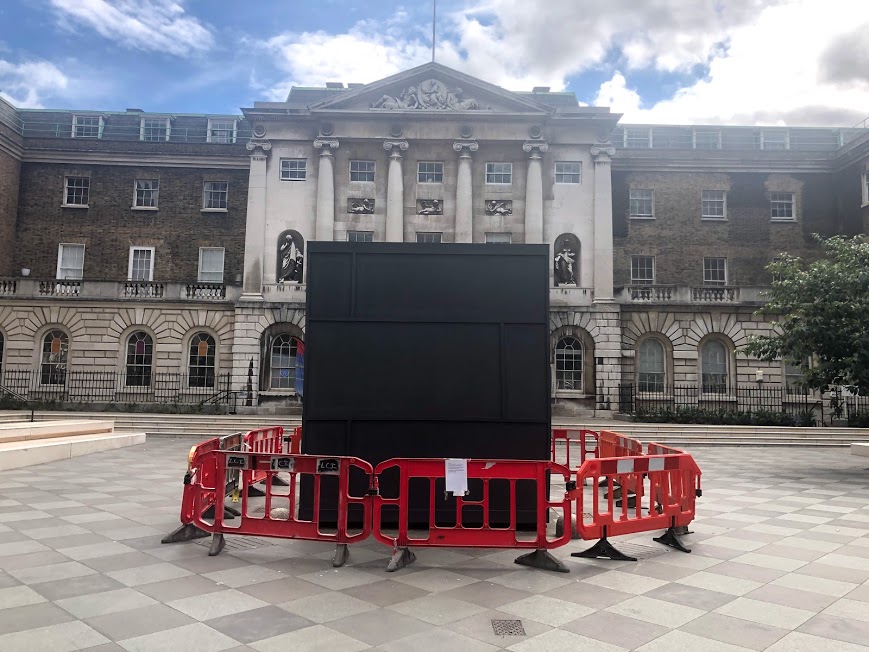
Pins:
x: 457, y: 476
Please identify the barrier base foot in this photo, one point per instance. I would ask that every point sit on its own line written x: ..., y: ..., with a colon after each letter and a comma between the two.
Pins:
x: 401, y: 557
x: 231, y: 510
x: 543, y: 560
x: 559, y: 529
x: 605, y: 549
x: 186, y: 532
x: 228, y: 512
x: 217, y: 543
x: 341, y: 555
x: 682, y: 530
x: 670, y: 538
x: 279, y: 482
x: 255, y: 492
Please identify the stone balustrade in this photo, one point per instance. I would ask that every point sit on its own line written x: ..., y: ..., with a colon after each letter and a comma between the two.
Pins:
x: 28, y: 288
x: 690, y: 295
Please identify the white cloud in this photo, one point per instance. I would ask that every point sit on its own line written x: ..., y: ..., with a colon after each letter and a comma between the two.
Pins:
x: 150, y: 25
x: 616, y: 95
x: 28, y: 84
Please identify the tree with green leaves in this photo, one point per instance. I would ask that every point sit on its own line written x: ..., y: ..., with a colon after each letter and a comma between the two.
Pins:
x: 822, y: 312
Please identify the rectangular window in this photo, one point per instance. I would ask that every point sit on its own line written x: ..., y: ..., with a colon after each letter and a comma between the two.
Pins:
x: 707, y: 139
x: 430, y: 172
x: 361, y: 170
x: 715, y: 271
x: 567, y: 171
x: 713, y: 204
x: 293, y: 169
x: 211, y: 264
x: 360, y: 236
x: 76, y: 191
x: 781, y: 206
x: 503, y: 238
x: 70, y: 261
x: 215, y: 195
x: 141, y: 267
x: 87, y: 126
x: 774, y: 139
x: 499, y: 173
x: 154, y: 129
x: 794, y: 379
x: 221, y: 130
x: 642, y: 203
x: 638, y: 137
x: 147, y: 193
x: 430, y: 238
x: 642, y: 270
x: 866, y: 188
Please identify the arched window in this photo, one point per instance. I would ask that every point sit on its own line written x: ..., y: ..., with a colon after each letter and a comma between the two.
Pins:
x: 140, y: 356
x: 651, y: 366
x: 713, y: 367
x: 285, y: 347
x: 55, y: 351
x: 2, y: 342
x: 200, y: 372
x: 568, y: 364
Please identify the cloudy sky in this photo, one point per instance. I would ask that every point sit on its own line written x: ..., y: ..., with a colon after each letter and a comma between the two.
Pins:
x: 797, y: 62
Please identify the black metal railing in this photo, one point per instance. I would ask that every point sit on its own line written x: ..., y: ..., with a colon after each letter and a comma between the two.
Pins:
x: 856, y: 410
x: 759, y: 404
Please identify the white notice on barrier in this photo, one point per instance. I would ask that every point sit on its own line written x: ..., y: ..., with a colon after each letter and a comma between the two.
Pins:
x: 457, y: 476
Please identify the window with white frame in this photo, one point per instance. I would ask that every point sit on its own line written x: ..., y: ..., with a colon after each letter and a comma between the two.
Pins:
x: 713, y: 204
x: 638, y: 137
x: 293, y: 169
x: 140, y: 359
x: 147, y: 193
x: 651, y: 367
x: 715, y: 271
x: 154, y: 129
x: 714, y: 367
x: 795, y: 380
x: 222, y: 130
x: 215, y: 195
x: 642, y: 203
x: 430, y: 172
x: 707, y: 139
x: 76, y: 191
x: 55, y: 353
x: 87, y: 126
x: 568, y: 364
x: 211, y: 264
x: 781, y: 206
x: 866, y: 187
x: 282, y: 370
x: 777, y: 139
x: 361, y: 170
x: 360, y: 236
x: 70, y: 262
x: 568, y: 171
x: 429, y: 238
x: 499, y: 238
x: 499, y: 173
x: 201, y: 361
x: 141, y: 266
x: 642, y: 270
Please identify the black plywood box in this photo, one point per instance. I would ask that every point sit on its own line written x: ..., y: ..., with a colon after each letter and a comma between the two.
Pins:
x: 427, y: 350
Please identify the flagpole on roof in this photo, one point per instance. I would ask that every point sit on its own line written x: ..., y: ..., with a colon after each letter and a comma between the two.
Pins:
x: 434, y: 13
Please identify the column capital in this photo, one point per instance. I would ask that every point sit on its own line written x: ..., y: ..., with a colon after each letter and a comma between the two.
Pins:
x: 535, y: 147
x: 395, y: 145
x: 469, y: 145
x: 326, y: 144
x: 258, y: 149
x: 602, y: 153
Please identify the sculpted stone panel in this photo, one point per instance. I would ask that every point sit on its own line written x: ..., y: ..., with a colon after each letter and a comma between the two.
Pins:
x: 430, y: 95
x: 360, y: 206
x: 499, y: 207
x: 429, y: 207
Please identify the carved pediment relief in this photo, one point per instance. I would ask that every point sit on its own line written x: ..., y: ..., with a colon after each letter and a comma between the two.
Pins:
x: 432, y: 95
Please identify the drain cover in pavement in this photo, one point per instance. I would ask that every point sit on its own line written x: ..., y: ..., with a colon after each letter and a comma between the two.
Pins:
x: 508, y: 627
x: 639, y: 550
x: 239, y: 543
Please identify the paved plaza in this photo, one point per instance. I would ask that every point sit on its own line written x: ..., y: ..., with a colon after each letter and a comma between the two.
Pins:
x: 780, y: 562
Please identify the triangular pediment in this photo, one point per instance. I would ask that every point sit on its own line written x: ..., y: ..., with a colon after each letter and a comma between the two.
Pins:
x: 433, y: 88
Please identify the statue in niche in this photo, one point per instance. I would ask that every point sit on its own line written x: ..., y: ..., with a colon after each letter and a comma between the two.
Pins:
x: 499, y: 207
x: 566, y: 256
x: 291, y: 257
x: 431, y: 94
x: 362, y: 206
x: 430, y: 207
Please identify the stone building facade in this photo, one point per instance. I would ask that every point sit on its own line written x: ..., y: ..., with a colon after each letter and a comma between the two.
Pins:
x: 162, y: 257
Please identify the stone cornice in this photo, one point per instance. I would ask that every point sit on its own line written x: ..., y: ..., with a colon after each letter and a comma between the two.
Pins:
x: 139, y: 160
x: 10, y: 147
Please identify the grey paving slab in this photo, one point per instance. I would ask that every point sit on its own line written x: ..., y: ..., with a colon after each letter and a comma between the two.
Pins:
x: 258, y: 624
x: 142, y: 621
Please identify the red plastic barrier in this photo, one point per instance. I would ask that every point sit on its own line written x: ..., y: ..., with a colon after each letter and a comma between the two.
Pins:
x: 613, y: 444
x: 279, y: 516
x: 478, y: 536
x: 587, y: 440
x: 296, y: 441
x: 665, y: 492
x: 263, y: 440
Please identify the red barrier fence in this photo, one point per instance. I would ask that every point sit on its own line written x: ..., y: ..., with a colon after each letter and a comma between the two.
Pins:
x: 486, y: 534
x: 586, y: 441
x: 613, y: 444
x: 263, y: 440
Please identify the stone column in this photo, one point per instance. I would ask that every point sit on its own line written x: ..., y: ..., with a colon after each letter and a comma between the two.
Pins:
x: 325, y: 224
x: 534, y: 191
x: 603, y: 224
x: 395, y: 191
x: 255, y: 228
x: 464, y: 191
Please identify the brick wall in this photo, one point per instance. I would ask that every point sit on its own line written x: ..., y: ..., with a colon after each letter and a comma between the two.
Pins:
x: 109, y: 226
x: 9, y: 174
